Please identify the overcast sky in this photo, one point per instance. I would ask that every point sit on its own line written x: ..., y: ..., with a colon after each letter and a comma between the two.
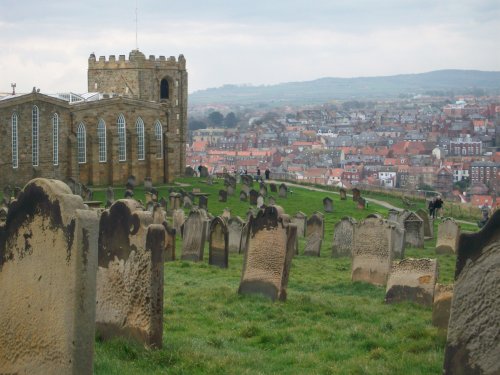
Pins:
x: 46, y: 43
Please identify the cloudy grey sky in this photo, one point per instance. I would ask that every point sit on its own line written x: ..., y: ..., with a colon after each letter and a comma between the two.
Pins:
x: 46, y: 43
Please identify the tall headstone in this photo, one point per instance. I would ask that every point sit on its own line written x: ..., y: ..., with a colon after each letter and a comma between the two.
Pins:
x: 244, y: 235
x: 218, y: 252
x: 222, y: 196
x: 414, y: 229
x: 189, y: 172
x: 448, y: 235
x: 283, y: 191
x: 343, y: 194
x: 443, y: 295
x: 473, y: 343
x: 273, y: 188
x: 399, y: 240
x: 130, y: 275
x: 263, y: 189
x: 412, y: 280
x: 235, y: 227
x: 356, y: 194
x: 193, y: 236
x: 204, y: 172
x: 270, y: 249
x: 110, y: 196
x: 175, y: 201
x: 253, y: 197
x: 300, y: 221
x: 203, y: 202
x: 178, y: 219
x: 243, y: 196
x: 170, y: 232
x: 372, y: 250
x: 342, y: 237
x: 48, y: 265
x: 393, y: 215
x: 260, y: 201
x: 314, y: 235
x: 428, y: 223
x: 328, y: 204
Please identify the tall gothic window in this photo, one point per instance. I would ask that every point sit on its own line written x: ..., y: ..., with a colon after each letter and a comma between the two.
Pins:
x: 139, y: 129
x: 35, y: 135
x: 122, y: 138
x: 159, y: 140
x: 15, y: 145
x: 81, y: 145
x: 55, y: 139
x: 164, y: 89
x: 101, y: 139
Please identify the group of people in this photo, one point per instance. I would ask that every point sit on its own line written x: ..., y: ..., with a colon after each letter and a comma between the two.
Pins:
x: 435, y: 205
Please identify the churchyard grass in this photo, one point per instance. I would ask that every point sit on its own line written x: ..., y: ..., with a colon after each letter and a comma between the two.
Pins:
x: 328, y: 325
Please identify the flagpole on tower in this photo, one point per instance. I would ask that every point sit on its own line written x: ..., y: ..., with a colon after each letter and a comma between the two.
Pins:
x: 136, y: 43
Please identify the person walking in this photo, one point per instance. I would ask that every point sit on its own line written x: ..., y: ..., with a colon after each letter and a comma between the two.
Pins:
x: 438, y: 204
x: 431, y: 207
x: 267, y: 172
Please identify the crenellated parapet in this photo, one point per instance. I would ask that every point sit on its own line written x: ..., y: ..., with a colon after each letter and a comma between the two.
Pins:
x: 136, y: 60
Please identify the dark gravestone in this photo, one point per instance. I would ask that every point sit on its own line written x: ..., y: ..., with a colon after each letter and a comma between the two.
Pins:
x: 273, y: 187
x: 268, y: 257
x: 343, y: 194
x: 253, y: 197
x: 473, y: 343
x: 328, y: 204
x: 3, y: 214
x: 17, y: 191
x: 204, y: 172
x: 283, y: 191
x: 189, y: 172
x: 342, y: 237
x: 314, y: 235
x: 222, y: 196
x: 203, y: 202
x: 218, y: 251
x: 361, y: 203
x: 193, y: 236
x: 243, y: 196
x: 71, y: 183
x: 7, y: 195
x: 356, y: 194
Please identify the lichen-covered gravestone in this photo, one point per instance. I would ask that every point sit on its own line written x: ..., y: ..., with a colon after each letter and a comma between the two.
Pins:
x: 372, y: 250
x: 473, y: 343
x: 270, y: 249
x: 414, y: 229
x: 234, y: 226
x: 428, y: 223
x: 193, y: 236
x: 48, y: 265
x: 314, y: 235
x: 328, y: 204
x: 218, y: 253
x: 300, y: 220
x: 342, y: 237
x: 412, y: 280
x: 443, y: 295
x: 448, y: 235
x: 283, y: 191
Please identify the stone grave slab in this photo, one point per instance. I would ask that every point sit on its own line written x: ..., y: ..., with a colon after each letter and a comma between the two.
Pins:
x: 342, y: 237
x: 218, y: 252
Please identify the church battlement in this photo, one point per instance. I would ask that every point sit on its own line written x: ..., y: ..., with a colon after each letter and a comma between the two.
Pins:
x: 136, y: 60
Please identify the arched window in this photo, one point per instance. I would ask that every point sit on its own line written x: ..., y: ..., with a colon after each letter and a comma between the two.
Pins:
x: 164, y: 89
x: 35, y: 134
x: 55, y: 139
x: 81, y: 145
x: 122, y: 138
x: 101, y: 139
x: 15, y: 152
x: 159, y: 140
x: 139, y: 129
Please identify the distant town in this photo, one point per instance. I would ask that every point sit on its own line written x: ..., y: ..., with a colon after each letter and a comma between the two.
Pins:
x: 437, y: 145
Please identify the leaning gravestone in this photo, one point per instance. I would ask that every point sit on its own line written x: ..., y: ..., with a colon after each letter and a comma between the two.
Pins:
x: 314, y: 235
x: 473, y: 343
x: 175, y: 201
x: 428, y: 224
x: 412, y: 280
x: 253, y: 197
x: 178, y: 219
x: 443, y: 295
x: 270, y: 249
x: 218, y: 253
x: 130, y: 275
x: 260, y: 201
x: 342, y: 237
x: 193, y: 236
x: 243, y: 196
x: 356, y: 194
x: 48, y: 265
x: 273, y: 187
x: 300, y: 221
x: 222, y: 196
x: 372, y: 249
x: 343, y: 194
x: 414, y: 229
x: 328, y: 204
x: 234, y: 226
x: 448, y: 235
x: 283, y: 191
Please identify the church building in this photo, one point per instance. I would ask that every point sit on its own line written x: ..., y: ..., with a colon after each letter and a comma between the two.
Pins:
x: 132, y: 121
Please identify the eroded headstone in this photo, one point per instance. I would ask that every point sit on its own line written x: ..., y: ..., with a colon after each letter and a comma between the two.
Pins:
x: 178, y: 219
x: 356, y: 194
x: 283, y: 191
x: 218, y: 253
x: 234, y: 226
x: 448, y: 235
x: 443, y: 295
x: 328, y: 204
x: 343, y: 194
x: 253, y: 197
x: 428, y: 223
x: 300, y: 220
x: 314, y: 235
x: 414, y: 228
x: 175, y: 201
x: 194, y: 235
x: 342, y: 237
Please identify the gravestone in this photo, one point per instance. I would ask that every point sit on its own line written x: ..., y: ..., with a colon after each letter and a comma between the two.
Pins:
x: 48, y: 265
x: 148, y: 184
x: 253, y: 197
x: 247, y: 180
x: 246, y: 189
x: 273, y: 188
x: 263, y: 190
x: 243, y: 196
x: 428, y: 223
x: 399, y: 240
x: 189, y: 172
x: 226, y: 214
x: 203, y: 202
x: 244, y: 236
x: 234, y: 226
x: 270, y: 249
x: 300, y: 220
x: 473, y: 343
x: 150, y: 206
x: 187, y: 202
x: 159, y: 215
x: 414, y: 229
x: 283, y: 191
x: 203, y: 172
x: 175, y: 201
x: 193, y: 236
x: 443, y: 295
x: 71, y: 183
x: 170, y: 232
x: 393, y: 215
x: 361, y: 203
x: 110, y: 196
x: 271, y: 201
x: 131, y: 183
x: 78, y: 189
x: 218, y: 253
x: 129, y: 299
x: 222, y: 196
x: 342, y: 237
x: 328, y: 204
x: 260, y: 201
x: 356, y: 194
x: 178, y: 219
x: 412, y: 280
x: 229, y: 181
x: 448, y: 235
x: 210, y: 180
x: 314, y: 235
x: 163, y: 203
x: 230, y: 191
x: 288, y: 220
x: 343, y: 194
x: 372, y: 250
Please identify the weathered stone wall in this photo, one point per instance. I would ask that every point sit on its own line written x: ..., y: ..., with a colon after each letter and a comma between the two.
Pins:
x: 48, y: 264
x: 130, y: 274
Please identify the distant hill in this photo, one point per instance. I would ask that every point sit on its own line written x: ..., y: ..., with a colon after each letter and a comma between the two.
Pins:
x: 439, y: 82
